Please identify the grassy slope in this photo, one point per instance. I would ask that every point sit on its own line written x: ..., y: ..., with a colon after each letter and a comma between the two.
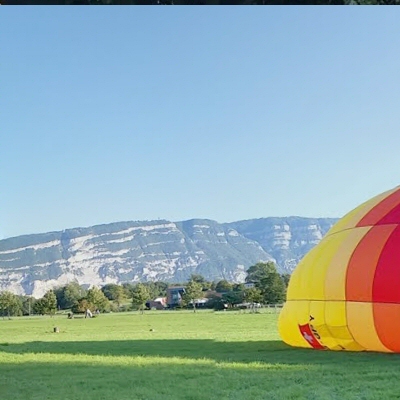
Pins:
x: 186, y: 356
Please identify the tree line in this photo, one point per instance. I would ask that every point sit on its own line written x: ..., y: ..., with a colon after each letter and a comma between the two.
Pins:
x: 264, y: 285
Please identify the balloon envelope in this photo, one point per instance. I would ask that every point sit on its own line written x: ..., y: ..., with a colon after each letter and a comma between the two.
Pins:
x: 345, y: 293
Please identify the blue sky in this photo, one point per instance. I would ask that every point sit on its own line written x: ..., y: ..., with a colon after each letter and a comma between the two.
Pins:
x: 135, y: 113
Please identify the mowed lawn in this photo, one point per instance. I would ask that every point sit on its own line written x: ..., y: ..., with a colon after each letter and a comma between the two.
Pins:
x: 179, y: 355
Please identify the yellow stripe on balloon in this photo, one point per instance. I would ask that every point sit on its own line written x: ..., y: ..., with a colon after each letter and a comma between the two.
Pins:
x: 360, y: 319
x: 318, y: 314
x: 300, y: 276
x: 316, y: 272
x: 335, y: 278
x: 294, y: 313
x: 336, y: 320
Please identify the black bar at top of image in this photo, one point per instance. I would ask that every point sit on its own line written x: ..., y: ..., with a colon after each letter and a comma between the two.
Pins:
x: 199, y: 2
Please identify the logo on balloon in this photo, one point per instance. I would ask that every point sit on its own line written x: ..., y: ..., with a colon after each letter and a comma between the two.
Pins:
x: 311, y: 335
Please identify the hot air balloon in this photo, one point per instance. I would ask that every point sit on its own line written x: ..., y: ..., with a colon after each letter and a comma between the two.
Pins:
x: 345, y: 293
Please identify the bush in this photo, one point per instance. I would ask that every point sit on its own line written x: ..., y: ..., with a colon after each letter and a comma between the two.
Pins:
x: 114, y: 307
x: 215, y: 303
x: 81, y: 306
x: 125, y: 308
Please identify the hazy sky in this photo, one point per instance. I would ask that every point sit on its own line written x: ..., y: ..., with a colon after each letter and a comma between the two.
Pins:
x: 135, y: 113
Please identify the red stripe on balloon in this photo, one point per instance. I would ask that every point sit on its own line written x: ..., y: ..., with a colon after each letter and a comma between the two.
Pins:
x: 382, y: 209
x: 387, y: 275
x: 362, y: 264
x: 392, y: 217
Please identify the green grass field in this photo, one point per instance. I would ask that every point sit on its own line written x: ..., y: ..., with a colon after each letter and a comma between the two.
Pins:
x: 179, y: 355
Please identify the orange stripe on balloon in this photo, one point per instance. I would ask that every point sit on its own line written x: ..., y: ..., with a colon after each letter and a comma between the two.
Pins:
x: 387, y: 274
x: 387, y: 324
x: 381, y: 209
x: 363, y: 262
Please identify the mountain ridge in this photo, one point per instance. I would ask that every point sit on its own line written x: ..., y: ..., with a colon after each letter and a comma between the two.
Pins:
x: 133, y: 251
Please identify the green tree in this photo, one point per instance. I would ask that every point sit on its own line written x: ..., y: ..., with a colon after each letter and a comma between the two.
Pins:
x: 156, y: 289
x: 59, y: 292
x: 96, y: 297
x: 10, y: 304
x: 238, y: 287
x: 205, y: 284
x: 273, y: 289
x: 46, y: 305
x: 286, y: 279
x: 259, y: 271
x: 128, y: 289
x: 267, y: 279
x: 110, y: 290
x: 39, y: 307
x: 215, y: 302
x: 233, y: 297
x: 140, y: 295
x: 69, y: 294
x: 160, y: 289
x: 114, y: 292
x: 82, y: 305
x: 50, y: 302
x: 223, y: 286
x: 253, y: 296
x: 198, y: 278
x: 27, y: 304
x: 72, y: 293
x: 193, y: 291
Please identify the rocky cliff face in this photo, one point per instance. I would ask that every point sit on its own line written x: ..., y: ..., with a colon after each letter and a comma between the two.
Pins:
x: 286, y: 239
x: 153, y: 250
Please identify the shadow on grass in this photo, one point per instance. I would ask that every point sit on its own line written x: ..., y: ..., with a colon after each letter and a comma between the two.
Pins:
x: 220, y: 370
x: 75, y: 380
x: 191, y: 370
x: 271, y: 352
